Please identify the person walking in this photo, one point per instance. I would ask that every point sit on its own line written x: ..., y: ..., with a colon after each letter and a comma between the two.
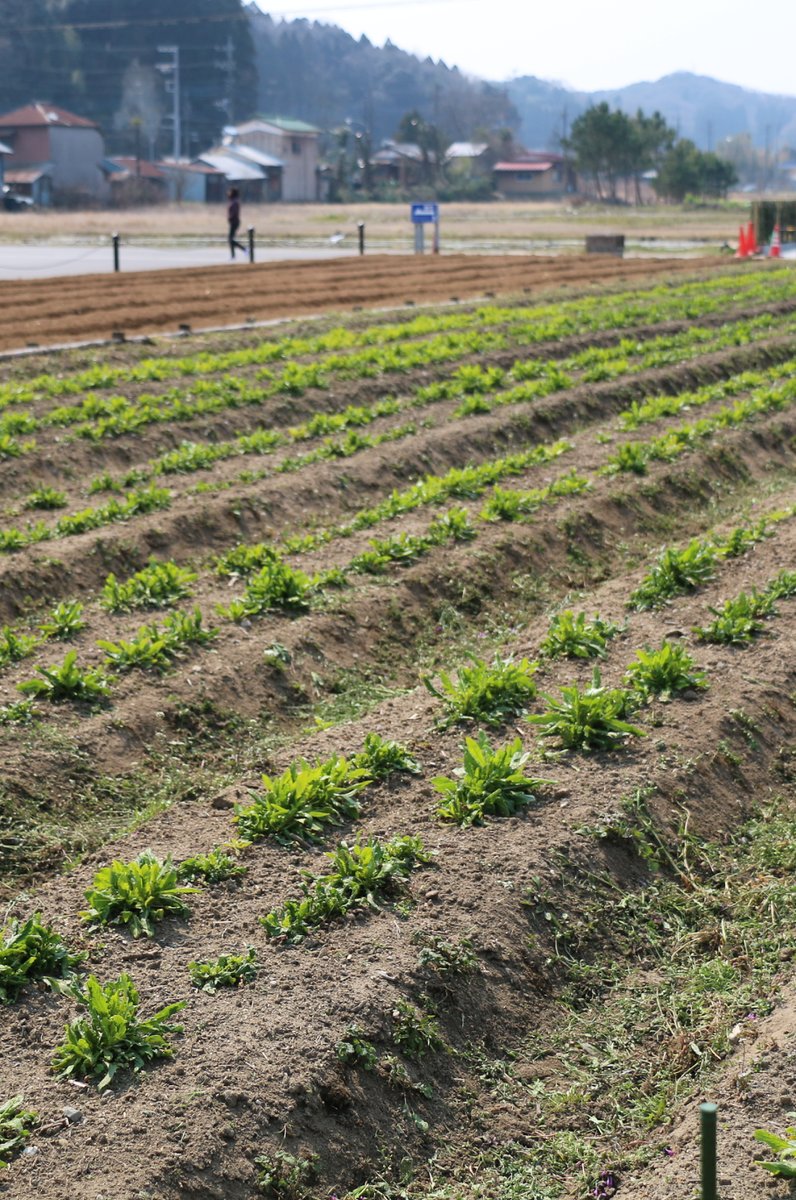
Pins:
x: 233, y: 221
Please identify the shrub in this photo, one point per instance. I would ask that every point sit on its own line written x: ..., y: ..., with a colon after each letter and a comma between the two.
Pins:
x: 67, y: 682
x: 588, y: 719
x: 136, y: 894
x: 380, y: 758
x: 490, y: 783
x: 663, y: 672
x: 303, y: 799
x: 110, y: 1035
x: 228, y: 970
x: 575, y: 637
x: 485, y: 692
x: 30, y: 950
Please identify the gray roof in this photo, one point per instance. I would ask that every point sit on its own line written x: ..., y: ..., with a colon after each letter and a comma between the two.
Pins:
x: 465, y: 149
x: 232, y: 167
x: 249, y: 152
x: 4, y: 149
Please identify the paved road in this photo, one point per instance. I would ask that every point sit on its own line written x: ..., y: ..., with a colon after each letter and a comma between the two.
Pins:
x: 41, y: 260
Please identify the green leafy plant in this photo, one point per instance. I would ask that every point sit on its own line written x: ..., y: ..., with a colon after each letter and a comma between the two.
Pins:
x: 360, y: 875
x: 591, y: 718
x: 214, y: 867
x: 19, y: 712
x: 65, y: 620
x: 782, y: 586
x: 245, y: 560
x: 491, y: 782
x: 301, y: 801
x: 663, y: 672
x: 784, y: 1166
x: 415, y: 1033
x: 15, y: 645
x: 228, y: 970
x: 67, y: 682
x: 16, y: 1124
x: 30, y: 951
x: 355, y: 1050
x: 447, y: 959
x: 490, y: 692
x: 110, y: 1036
x: 675, y: 571
x: 285, y: 1176
x: 276, y: 585
x: 739, y: 620
x: 575, y: 637
x: 136, y: 894
x: 45, y: 498
x: 157, y: 585
x: 380, y: 758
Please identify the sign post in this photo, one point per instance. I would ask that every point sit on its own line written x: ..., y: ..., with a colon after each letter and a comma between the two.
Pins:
x: 425, y: 213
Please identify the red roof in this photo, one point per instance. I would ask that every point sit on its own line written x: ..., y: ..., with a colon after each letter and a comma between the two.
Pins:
x: 39, y: 113
x: 522, y: 166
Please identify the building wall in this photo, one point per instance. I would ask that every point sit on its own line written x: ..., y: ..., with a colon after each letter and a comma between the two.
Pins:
x: 75, y: 154
x: 299, y: 153
x: 538, y: 183
x: 30, y: 145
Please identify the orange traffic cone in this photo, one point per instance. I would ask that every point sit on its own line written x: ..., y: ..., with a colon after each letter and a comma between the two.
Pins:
x: 774, y: 248
x: 741, y: 251
x: 751, y: 240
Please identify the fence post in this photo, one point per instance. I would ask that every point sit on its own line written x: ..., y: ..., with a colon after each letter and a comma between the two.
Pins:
x: 708, y: 1121
x: 361, y: 228
x: 115, y: 240
x: 251, y: 243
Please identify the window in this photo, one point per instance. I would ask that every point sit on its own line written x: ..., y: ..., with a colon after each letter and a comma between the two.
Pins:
x: 295, y: 146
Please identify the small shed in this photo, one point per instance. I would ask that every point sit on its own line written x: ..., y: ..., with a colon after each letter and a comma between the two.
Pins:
x: 768, y: 213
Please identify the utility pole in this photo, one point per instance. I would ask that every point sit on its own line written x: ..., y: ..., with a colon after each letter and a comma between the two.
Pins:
x: 172, y: 72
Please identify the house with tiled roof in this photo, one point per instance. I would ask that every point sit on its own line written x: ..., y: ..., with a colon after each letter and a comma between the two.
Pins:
x: 292, y: 145
x: 55, y: 155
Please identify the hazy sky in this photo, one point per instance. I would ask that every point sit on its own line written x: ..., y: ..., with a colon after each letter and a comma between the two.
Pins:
x: 585, y: 44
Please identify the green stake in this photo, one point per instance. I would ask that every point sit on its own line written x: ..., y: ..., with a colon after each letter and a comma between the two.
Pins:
x: 708, y: 1121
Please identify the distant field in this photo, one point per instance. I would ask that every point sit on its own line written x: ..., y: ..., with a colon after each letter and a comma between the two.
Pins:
x: 506, y: 224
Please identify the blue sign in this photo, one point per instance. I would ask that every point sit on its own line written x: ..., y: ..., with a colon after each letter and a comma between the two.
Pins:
x: 426, y: 213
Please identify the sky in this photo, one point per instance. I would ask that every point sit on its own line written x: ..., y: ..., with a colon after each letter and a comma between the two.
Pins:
x: 584, y: 44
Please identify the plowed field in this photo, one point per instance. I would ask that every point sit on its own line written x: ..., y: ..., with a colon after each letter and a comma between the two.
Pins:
x: 90, y: 307
x: 465, y: 637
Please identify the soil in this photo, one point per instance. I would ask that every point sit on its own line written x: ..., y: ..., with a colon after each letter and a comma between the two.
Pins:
x: 91, y: 307
x: 256, y: 1070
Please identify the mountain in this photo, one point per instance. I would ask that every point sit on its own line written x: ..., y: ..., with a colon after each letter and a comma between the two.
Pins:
x: 698, y: 107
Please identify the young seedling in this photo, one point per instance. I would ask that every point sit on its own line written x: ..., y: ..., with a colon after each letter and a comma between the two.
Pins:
x: 136, y: 894
x: 215, y: 867
x: 449, y: 960
x: 16, y: 1125
x: 31, y: 951
x: 663, y: 672
x: 380, y: 758
x: 45, y: 498
x: 300, y: 802
x: 19, y: 712
x: 575, y: 637
x: 158, y: 585
x: 228, y: 970
x: 356, y: 1051
x: 490, y: 783
x: 486, y: 692
x: 65, y: 620
x: 591, y: 718
x: 676, y: 571
x: 110, y: 1036
x: 67, y: 682
x: 739, y: 620
x: 15, y: 646
x: 276, y: 585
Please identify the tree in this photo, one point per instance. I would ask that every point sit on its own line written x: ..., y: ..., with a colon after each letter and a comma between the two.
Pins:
x: 688, y: 171
x: 605, y: 147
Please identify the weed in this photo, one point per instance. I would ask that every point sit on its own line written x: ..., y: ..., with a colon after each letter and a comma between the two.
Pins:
x: 676, y: 571
x: 487, y: 692
x: 591, y: 718
x: 380, y: 758
x: 228, y: 970
x: 414, y: 1032
x: 283, y: 1176
x: 67, y: 682
x: 215, y: 867
x: 301, y: 801
x: 663, y: 672
x: 362, y: 873
x: 16, y: 1124
x: 355, y: 1050
x: 110, y: 1036
x: 65, y: 620
x: 447, y: 959
x: 575, y: 637
x: 29, y: 951
x: 490, y: 783
x: 157, y: 585
x: 136, y: 894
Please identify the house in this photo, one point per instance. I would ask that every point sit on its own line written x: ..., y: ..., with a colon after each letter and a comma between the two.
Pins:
x: 55, y: 156
x: 290, y: 143
x: 402, y: 164
x: 134, y: 181
x: 468, y: 158
x: 538, y: 174
x: 256, y: 175
x: 4, y: 150
x: 194, y: 182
